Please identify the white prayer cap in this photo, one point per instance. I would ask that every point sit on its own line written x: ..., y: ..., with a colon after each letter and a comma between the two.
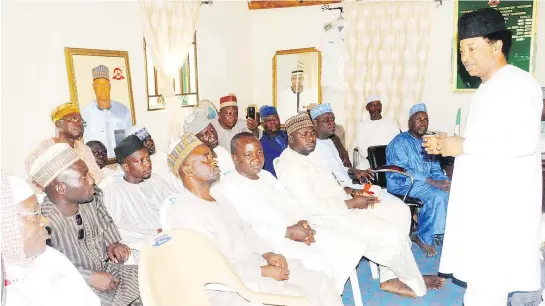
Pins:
x: 52, y: 162
x: 20, y: 190
x: 371, y: 98
x: 196, y: 122
x: 13, y: 191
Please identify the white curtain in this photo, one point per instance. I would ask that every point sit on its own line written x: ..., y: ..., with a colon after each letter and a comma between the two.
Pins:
x: 387, y: 47
x: 169, y: 27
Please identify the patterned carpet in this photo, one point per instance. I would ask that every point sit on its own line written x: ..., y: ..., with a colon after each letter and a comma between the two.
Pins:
x: 450, y: 294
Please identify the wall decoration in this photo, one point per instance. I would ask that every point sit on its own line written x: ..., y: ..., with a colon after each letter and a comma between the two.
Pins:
x: 103, y: 76
x: 264, y: 4
x: 296, y: 80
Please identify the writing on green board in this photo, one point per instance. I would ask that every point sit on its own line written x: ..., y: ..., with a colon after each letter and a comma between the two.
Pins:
x: 519, y: 18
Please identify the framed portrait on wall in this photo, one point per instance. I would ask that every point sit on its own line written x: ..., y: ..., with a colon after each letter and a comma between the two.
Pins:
x: 100, y: 83
x: 296, y: 80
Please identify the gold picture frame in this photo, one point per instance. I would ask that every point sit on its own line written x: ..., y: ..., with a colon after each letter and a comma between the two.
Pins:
x: 80, y: 80
x: 284, y: 62
x: 264, y: 4
x: 79, y: 67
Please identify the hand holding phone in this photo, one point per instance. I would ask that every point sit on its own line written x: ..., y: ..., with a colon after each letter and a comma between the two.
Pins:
x: 250, y: 112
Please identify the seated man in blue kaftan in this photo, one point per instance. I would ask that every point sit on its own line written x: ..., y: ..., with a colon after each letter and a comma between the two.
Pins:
x: 431, y: 184
x: 274, y: 140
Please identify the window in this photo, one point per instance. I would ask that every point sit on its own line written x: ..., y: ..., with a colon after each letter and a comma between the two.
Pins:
x: 186, y: 87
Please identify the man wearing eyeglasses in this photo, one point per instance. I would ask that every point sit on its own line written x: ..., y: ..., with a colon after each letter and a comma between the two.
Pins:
x: 69, y: 127
x: 81, y: 227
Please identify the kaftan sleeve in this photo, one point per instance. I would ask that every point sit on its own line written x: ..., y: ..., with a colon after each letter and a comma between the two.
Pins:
x: 361, y: 140
x: 111, y: 233
x: 509, y: 134
x: 437, y: 173
x: 397, y: 154
x: 302, y: 189
x: 131, y: 235
x: 86, y: 273
x: 269, y: 228
x: 188, y: 218
x: 259, y: 245
x: 244, y: 128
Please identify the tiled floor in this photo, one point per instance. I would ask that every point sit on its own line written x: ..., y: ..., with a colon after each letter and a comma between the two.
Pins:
x: 450, y: 294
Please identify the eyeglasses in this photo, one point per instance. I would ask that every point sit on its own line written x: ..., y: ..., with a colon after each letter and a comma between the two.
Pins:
x: 75, y: 120
x: 79, y: 222
x: 35, y: 216
x: 327, y: 120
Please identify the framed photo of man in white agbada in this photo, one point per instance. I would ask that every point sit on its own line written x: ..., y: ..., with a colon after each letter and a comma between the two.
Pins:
x: 100, y: 84
x: 296, y: 80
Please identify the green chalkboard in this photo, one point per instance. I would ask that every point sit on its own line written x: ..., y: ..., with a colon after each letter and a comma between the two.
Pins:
x: 521, y: 20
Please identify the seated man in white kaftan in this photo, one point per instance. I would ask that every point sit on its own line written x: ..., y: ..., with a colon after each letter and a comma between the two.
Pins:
x: 431, y: 184
x: 377, y: 131
x: 384, y: 228
x: 258, y: 267
x: 33, y: 273
x: 324, y: 122
x: 158, y: 158
x: 134, y: 199
x: 277, y: 218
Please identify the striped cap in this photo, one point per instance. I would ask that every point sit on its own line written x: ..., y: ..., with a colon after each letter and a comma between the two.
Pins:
x: 52, y: 162
x: 101, y: 72
x: 181, y: 151
x: 229, y: 100
x: 297, y: 122
x: 62, y: 110
x: 320, y: 109
x: 196, y: 122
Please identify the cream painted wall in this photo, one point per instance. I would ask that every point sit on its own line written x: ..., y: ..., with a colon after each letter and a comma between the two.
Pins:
x: 235, y: 50
x: 282, y: 29
x: 442, y: 103
x: 34, y: 36
x: 301, y: 27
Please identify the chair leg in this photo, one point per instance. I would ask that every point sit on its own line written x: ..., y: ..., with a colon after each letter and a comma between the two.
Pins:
x: 374, y: 269
x: 356, y: 292
x: 414, y: 223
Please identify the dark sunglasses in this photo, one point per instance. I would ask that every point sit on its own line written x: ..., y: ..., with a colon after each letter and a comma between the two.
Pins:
x: 79, y: 222
x: 48, y: 241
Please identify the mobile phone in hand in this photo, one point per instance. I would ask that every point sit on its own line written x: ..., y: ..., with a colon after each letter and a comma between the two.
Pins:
x: 250, y: 112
